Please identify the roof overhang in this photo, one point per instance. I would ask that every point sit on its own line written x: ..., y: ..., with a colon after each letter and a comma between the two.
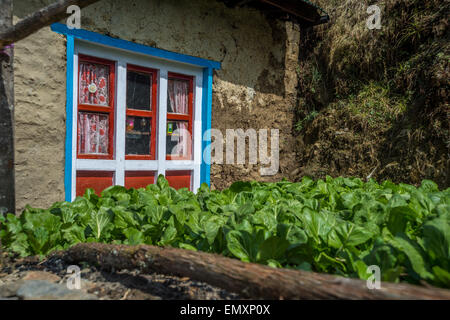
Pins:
x: 304, y: 11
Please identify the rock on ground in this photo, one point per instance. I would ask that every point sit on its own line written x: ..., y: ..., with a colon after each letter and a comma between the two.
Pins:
x: 32, y: 279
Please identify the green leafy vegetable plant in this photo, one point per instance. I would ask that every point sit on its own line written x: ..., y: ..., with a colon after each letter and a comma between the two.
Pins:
x: 338, y: 226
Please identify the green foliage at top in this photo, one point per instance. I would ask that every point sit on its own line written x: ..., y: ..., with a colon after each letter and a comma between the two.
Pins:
x: 338, y: 226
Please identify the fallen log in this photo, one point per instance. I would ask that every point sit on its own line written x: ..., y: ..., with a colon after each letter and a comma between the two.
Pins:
x: 250, y: 280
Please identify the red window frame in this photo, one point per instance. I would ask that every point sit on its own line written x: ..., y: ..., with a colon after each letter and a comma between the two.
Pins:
x: 146, y: 114
x: 183, y: 117
x: 179, y: 179
x: 97, y: 180
x: 109, y: 110
x: 139, y: 179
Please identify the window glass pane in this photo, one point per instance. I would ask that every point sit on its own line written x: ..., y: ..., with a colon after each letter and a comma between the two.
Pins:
x: 178, y: 96
x: 139, y: 93
x: 178, y: 139
x: 94, y: 84
x: 93, y: 131
x: 138, y: 136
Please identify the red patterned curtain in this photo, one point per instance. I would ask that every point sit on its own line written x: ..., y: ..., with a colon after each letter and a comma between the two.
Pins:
x: 178, y: 96
x: 94, y: 84
x: 93, y: 137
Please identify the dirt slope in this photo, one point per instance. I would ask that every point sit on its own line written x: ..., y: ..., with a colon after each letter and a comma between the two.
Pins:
x: 375, y: 102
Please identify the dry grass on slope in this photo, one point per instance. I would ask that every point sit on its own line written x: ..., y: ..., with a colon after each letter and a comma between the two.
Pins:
x: 386, y: 90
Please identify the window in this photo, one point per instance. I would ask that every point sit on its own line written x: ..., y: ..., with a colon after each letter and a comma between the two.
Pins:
x: 136, y: 117
x: 124, y: 101
x: 140, y: 138
x: 179, y: 117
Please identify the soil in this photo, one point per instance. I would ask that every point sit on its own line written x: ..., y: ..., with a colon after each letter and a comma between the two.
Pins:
x: 374, y: 135
x: 336, y: 143
x: 119, y: 285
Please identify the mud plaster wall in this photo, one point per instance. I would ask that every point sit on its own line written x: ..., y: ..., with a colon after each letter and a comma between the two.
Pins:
x: 254, y: 89
x: 40, y: 86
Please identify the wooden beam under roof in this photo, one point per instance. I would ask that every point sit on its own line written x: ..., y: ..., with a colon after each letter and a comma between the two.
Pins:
x: 303, y: 10
x: 297, y: 10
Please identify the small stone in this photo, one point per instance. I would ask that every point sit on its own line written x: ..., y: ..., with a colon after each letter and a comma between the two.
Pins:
x: 10, y: 289
x: 296, y: 171
x: 44, y: 290
x: 41, y: 275
x: 85, y: 271
x: 87, y: 285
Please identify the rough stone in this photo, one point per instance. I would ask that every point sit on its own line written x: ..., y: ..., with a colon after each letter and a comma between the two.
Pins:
x: 9, y: 290
x: 41, y: 275
x: 45, y: 290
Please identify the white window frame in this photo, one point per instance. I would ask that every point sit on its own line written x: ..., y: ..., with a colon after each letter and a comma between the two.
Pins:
x: 119, y: 165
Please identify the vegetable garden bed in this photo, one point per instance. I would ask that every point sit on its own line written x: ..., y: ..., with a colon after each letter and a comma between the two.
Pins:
x: 338, y: 226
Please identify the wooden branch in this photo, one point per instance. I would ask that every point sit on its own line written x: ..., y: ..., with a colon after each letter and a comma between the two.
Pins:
x: 39, y: 19
x: 249, y: 280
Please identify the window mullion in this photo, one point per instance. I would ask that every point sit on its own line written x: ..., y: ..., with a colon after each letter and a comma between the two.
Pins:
x: 197, y: 132
x: 162, y: 121
x: 74, y: 125
x: 120, y: 122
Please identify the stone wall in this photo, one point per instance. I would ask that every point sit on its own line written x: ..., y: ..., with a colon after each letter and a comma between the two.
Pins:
x: 256, y: 87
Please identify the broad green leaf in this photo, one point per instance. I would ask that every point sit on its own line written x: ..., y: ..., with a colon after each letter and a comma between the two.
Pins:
x: 134, y: 237
x: 244, y: 245
x: 272, y: 248
x: 162, y: 183
x: 398, y: 219
x: 238, y: 244
x: 13, y: 225
x: 273, y: 263
x: 169, y: 235
x: 74, y: 235
x: 212, y: 227
x: 98, y: 222
x: 382, y: 255
x: 21, y: 245
x: 187, y: 246
x: 442, y: 277
x: 429, y: 186
x: 240, y: 186
x: 346, y: 235
x: 361, y: 269
x: 38, y: 239
x: 317, y: 224
x: 414, y: 254
x: 436, y: 235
